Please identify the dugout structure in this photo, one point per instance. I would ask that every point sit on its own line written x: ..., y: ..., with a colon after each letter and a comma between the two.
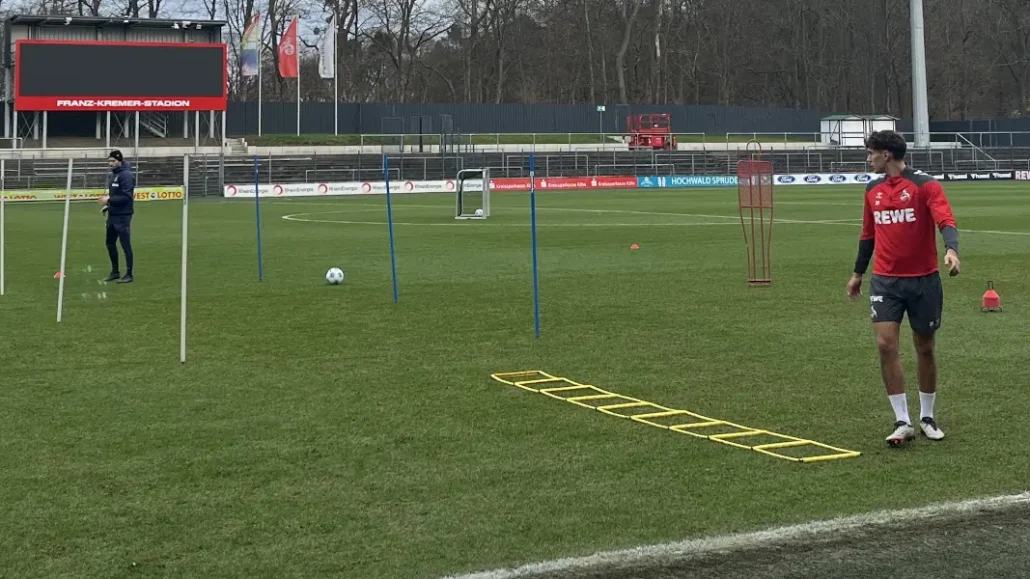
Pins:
x: 755, y: 194
x: 152, y: 76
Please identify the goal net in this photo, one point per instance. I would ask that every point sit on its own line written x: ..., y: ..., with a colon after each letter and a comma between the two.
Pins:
x: 473, y: 189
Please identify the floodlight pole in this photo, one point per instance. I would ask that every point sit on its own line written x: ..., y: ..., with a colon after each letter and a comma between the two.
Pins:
x: 920, y: 108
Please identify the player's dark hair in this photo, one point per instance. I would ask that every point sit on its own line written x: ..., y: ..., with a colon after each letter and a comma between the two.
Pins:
x: 889, y: 141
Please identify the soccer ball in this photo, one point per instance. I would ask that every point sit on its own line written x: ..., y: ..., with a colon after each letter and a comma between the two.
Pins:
x: 479, y: 212
x: 334, y: 276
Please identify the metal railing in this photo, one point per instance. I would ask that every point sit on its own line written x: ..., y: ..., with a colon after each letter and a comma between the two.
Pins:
x: 471, y: 142
x: 337, y: 174
x: 553, y: 164
x: 487, y: 142
x: 620, y: 169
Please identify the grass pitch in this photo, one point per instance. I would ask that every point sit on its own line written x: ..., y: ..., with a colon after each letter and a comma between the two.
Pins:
x: 322, y: 431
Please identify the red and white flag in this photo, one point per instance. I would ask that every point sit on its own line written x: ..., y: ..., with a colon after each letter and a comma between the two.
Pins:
x: 289, y: 54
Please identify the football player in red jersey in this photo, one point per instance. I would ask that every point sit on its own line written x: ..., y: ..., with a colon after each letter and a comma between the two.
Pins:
x: 904, y: 209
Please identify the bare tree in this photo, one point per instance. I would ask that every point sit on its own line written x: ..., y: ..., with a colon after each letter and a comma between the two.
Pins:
x: 471, y: 15
x: 239, y: 14
x: 826, y: 55
x: 89, y: 7
x: 629, y: 15
x: 404, y: 29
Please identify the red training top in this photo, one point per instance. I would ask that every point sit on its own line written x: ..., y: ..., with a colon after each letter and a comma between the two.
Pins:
x: 902, y: 216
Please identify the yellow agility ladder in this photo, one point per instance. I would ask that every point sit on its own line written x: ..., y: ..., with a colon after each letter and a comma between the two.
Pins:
x: 663, y: 417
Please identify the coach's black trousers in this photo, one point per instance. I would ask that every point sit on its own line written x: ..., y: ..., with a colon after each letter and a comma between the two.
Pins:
x: 118, y: 227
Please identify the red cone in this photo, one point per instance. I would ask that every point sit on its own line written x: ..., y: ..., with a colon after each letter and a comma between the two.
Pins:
x: 991, y: 300
x: 634, y: 247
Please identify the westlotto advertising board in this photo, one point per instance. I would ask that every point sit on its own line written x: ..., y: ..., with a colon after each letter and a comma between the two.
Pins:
x: 80, y: 75
x: 142, y: 194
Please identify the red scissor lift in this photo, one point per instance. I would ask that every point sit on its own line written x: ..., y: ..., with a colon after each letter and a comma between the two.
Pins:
x: 651, y: 131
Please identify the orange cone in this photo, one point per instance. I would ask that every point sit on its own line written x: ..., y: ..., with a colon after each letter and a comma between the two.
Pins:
x: 991, y: 299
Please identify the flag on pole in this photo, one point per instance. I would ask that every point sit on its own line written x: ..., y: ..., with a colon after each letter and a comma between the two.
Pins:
x: 327, y: 68
x: 327, y: 52
x: 251, y: 47
x: 289, y: 55
x: 289, y: 59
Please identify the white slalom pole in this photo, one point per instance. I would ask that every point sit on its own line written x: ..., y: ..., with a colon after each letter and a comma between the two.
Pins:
x: 3, y: 221
x: 185, y: 233
x: 298, y: 93
x: 336, y: 75
x: 64, y: 242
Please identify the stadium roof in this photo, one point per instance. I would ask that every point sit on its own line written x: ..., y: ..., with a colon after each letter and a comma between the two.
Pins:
x: 863, y: 117
x: 59, y: 20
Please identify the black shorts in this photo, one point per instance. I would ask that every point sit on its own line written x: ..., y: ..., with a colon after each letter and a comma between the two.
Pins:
x: 922, y: 297
x: 119, y: 223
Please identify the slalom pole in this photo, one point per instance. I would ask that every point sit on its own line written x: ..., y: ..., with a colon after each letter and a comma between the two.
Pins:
x: 257, y: 210
x: 532, y: 227
x: 3, y: 222
x: 389, y: 222
x: 64, y: 243
x: 185, y: 244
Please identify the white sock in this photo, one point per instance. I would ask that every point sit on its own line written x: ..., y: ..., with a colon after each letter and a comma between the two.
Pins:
x: 926, y: 404
x: 900, y: 405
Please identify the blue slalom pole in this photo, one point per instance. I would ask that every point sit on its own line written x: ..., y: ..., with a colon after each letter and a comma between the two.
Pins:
x: 532, y: 226
x: 389, y: 221
x: 257, y: 210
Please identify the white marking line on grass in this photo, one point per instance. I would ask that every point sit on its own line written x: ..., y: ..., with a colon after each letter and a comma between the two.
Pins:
x: 992, y: 232
x: 539, y: 209
x: 685, y: 550
x: 852, y: 222
x: 521, y: 225
x: 303, y: 217
x: 858, y: 223
x: 857, y: 206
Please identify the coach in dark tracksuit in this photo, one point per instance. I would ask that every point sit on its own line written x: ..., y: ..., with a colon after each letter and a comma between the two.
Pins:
x: 118, y: 204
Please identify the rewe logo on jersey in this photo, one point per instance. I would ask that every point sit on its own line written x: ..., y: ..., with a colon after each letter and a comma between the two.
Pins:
x: 889, y: 216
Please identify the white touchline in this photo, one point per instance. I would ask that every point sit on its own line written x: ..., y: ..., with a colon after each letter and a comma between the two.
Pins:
x: 856, y: 206
x: 667, y: 552
x: 299, y: 218
x: 735, y: 220
x: 304, y: 218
